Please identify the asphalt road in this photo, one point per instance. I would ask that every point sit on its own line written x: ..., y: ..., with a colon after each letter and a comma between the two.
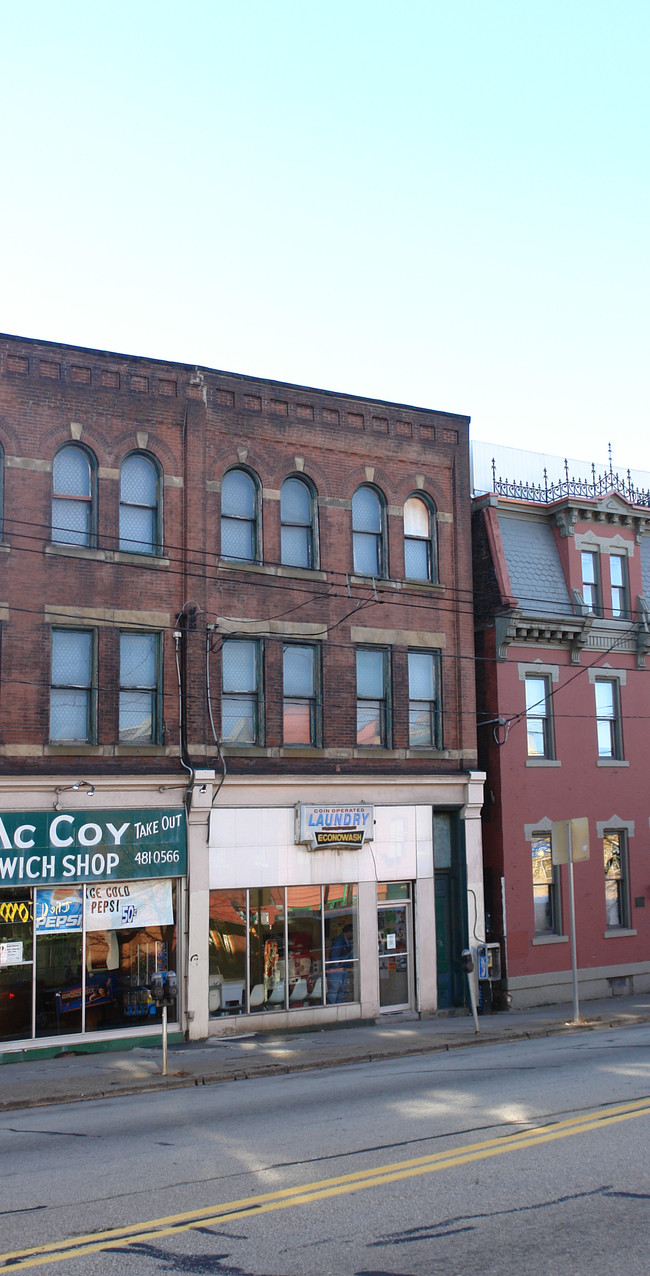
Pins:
x: 529, y: 1155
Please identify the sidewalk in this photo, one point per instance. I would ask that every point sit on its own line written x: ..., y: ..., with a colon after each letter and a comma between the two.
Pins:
x: 69, y: 1078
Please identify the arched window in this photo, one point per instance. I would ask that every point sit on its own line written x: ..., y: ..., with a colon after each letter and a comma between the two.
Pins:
x: 139, y: 505
x: 420, y: 559
x: 239, y: 517
x: 297, y: 509
x: 73, y: 490
x: 2, y: 492
x: 368, y: 537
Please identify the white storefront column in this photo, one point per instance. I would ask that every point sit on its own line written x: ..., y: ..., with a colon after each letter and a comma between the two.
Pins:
x: 196, y: 1000
x: 368, y: 955
x: 471, y: 815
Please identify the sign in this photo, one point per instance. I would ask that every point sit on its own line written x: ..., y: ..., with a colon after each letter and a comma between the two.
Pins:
x: 58, y: 911
x: 334, y: 827
x: 11, y: 953
x: 129, y: 904
x: 58, y: 847
x: 579, y: 841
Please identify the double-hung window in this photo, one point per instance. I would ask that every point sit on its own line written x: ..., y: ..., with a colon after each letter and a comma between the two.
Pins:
x: 71, y: 688
x: 424, y: 700
x: 139, y: 530
x: 139, y: 688
x: 241, y: 701
x: 301, y: 718
x: 618, y: 580
x: 373, y: 697
x: 419, y: 540
x: 368, y: 535
x: 617, y: 902
x: 73, y: 480
x: 591, y: 581
x: 608, y: 719
x: 539, y: 733
x: 546, y: 887
x: 297, y: 507
x: 239, y: 517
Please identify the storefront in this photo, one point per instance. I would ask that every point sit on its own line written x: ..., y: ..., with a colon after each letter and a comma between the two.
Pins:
x: 89, y: 909
x: 327, y: 909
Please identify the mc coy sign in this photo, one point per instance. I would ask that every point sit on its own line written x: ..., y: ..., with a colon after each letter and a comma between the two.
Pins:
x: 39, y: 847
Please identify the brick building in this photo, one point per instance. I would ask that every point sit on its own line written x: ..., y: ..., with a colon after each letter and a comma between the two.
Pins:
x: 562, y: 575
x: 237, y: 718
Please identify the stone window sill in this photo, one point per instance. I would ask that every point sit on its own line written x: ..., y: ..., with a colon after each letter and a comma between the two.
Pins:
x: 550, y: 939
x: 618, y: 932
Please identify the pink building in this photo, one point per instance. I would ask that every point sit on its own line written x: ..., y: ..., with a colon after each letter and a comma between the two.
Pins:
x: 562, y: 574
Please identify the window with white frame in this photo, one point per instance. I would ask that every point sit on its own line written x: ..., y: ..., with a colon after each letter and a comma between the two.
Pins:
x: 546, y: 887
x: 297, y: 519
x: 539, y: 733
x: 591, y: 581
x: 301, y: 703
x: 618, y: 580
x: 420, y: 560
x: 239, y: 517
x: 608, y: 720
x: 368, y: 532
x: 71, y: 687
x: 139, y: 496
x: 617, y: 899
x: 424, y: 700
x: 241, y: 700
x: 73, y: 483
x: 373, y: 697
x: 139, y: 688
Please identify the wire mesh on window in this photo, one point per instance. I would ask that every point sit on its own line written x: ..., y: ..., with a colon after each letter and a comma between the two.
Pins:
x: 71, y: 473
x: 137, y: 530
x: 366, y: 511
x: 70, y: 522
x: 369, y: 723
x: 136, y: 717
x: 421, y: 724
x: 138, y: 481
x: 239, y: 661
x: 238, y: 719
x: 69, y: 714
x: 422, y: 675
x: 238, y: 539
x: 71, y: 652
x: 367, y: 554
x: 295, y: 502
x: 295, y: 546
x: 299, y: 671
x: 416, y: 559
x: 298, y: 721
x: 138, y: 660
x: 238, y: 495
x: 416, y: 518
x: 370, y: 674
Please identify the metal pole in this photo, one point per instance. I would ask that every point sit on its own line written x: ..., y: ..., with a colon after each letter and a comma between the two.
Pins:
x: 472, y: 1001
x: 164, y: 1040
x: 572, y: 910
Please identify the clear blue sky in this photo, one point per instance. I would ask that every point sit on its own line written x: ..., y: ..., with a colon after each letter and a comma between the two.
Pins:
x: 443, y: 203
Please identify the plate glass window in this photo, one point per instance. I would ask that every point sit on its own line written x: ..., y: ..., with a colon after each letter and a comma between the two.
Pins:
x: 297, y: 519
x: 419, y: 547
x: 546, y: 894
x: 368, y: 532
x: 72, y: 493
x: 240, y: 708
x: 138, y: 688
x: 424, y: 730
x: 239, y: 517
x: 607, y: 718
x: 372, y: 698
x: 616, y: 886
x: 618, y: 577
x: 138, y: 506
x: 590, y: 581
x: 300, y: 709
x: 538, y: 717
x: 71, y: 687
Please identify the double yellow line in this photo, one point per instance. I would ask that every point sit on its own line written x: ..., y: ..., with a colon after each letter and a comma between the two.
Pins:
x: 248, y: 1207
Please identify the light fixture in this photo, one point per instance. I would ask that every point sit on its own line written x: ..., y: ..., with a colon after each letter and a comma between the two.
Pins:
x: 66, y: 788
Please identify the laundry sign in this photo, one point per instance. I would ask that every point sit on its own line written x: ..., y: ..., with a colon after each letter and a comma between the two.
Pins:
x: 334, y: 827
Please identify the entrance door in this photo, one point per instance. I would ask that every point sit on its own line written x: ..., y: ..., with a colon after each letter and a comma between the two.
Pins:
x: 395, y: 947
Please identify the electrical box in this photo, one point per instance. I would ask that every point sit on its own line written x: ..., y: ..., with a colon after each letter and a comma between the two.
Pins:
x: 489, y: 962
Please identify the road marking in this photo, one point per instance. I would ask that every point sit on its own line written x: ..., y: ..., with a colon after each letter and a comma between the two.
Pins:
x: 284, y: 1198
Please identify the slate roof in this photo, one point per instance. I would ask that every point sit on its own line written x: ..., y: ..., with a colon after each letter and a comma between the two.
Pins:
x: 536, y: 574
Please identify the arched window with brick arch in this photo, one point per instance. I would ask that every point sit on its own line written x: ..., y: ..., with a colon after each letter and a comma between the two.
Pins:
x: 140, y: 521
x: 298, y: 544
x: 74, y: 486
x: 420, y: 549
x: 240, y: 517
x: 369, y: 532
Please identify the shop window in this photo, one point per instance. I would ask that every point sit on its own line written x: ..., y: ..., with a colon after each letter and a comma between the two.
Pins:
x: 297, y: 517
x: 608, y: 723
x: 420, y: 559
x: 241, y: 702
x: 591, y: 581
x: 546, y: 887
x: 368, y: 532
x: 424, y: 700
x: 16, y: 941
x: 539, y: 732
x: 619, y: 586
x: 301, y: 705
x: 73, y: 497
x: 71, y: 690
x: 373, y: 699
x: 139, y: 688
x: 298, y: 943
x: 139, y: 505
x: 240, y: 517
x: 617, y: 899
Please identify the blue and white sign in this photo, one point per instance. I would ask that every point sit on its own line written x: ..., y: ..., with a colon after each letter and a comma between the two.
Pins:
x: 334, y: 827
